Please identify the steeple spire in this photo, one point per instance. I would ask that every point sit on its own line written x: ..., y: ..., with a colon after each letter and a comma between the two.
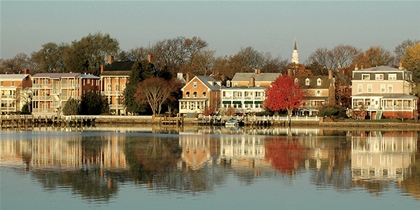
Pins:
x: 295, y: 55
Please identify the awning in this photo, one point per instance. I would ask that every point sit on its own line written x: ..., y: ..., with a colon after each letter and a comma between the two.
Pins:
x: 258, y: 102
x: 237, y: 102
x: 227, y: 102
x: 248, y: 102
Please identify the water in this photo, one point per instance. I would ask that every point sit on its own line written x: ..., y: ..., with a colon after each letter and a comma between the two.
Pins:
x: 208, y: 168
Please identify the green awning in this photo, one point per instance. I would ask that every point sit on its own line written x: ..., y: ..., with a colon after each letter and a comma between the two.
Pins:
x: 258, y: 102
x: 248, y: 102
x: 227, y: 102
x: 237, y: 102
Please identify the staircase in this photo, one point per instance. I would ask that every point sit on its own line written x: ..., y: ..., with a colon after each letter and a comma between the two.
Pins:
x: 378, y: 115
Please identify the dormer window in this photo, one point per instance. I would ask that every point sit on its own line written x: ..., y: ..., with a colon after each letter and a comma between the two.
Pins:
x: 307, y: 81
x: 379, y: 77
x: 318, y: 82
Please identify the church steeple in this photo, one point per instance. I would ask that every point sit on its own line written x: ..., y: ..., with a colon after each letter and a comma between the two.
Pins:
x: 295, y: 55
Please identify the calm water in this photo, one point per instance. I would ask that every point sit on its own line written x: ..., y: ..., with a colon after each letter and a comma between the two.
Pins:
x: 208, y: 168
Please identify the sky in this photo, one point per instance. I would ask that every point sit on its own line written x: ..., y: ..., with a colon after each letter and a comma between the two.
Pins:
x: 227, y: 26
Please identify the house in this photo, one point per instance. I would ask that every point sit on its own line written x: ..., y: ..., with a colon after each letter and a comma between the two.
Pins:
x: 51, y: 91
x: 383, y: 91
x: 246, y: 91
x: 114, y: 78
x: 199, y: 94
x: 15, y: 91
x: 319, y: 91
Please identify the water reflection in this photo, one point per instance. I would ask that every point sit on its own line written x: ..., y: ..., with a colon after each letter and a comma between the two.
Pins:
x: 94, y: 164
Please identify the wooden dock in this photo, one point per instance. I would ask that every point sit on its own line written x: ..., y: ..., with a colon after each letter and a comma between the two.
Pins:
x: 16, y: 121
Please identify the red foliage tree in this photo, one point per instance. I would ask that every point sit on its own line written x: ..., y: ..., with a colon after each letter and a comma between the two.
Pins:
x: 284, y: 94
x: 284, y: 155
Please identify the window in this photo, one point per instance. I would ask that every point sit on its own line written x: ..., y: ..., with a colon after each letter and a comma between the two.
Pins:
x: 383, y: 88
x: 187, y: 94
x: 307, y: 81
x: 204, y: 94
x: 1, y: 83
x: 13, y: 83
x: 318, y: 82
x: 369, y: 88
x: 109, y: 87
x: 389, y: 88
x: 195, y: 94
x: 296, y: 80
x: 365, y: 76
x: 117, y: 87
x: 195, y: 84
x: 392, y: 77
x: 359, y: 88
x: 257, y: 84
x: 88, y: 81
x: 318, y: 92
x: 379, y: 77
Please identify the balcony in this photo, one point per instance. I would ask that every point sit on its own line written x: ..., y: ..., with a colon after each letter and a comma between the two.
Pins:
x: 42, y: 86
x: 42, y: 98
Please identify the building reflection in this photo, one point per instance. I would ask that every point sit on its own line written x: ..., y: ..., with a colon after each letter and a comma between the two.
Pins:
x: 382, y: 155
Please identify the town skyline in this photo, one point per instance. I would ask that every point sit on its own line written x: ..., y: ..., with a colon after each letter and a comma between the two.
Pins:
x: 268, y: 27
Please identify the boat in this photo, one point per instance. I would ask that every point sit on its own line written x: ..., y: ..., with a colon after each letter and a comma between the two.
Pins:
x: 233, y: 123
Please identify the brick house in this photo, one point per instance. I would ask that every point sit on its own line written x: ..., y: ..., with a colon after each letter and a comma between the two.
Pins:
x: 319, y: 91
x: 383, y: 91
x: 15, y: 91
x: 199, y: 94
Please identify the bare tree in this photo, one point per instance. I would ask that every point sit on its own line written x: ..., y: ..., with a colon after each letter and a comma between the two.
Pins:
x: 155, y: 92
x: 401, y: 48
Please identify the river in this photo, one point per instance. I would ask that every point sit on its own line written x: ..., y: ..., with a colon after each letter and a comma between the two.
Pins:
x: 128, y: 167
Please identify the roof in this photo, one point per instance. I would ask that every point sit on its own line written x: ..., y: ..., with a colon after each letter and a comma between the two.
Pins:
x: 13, y: 76
x: 119, y: 66
x: 109, y: 73
x: 386, y: 95
x: 243, y: 88
x: 269, y: 77
x: 209, y: 82
x: 62, y: 75
x: 380, y: 69
x: 313, y: 82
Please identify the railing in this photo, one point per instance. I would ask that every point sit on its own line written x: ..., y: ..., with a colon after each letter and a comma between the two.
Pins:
x: 42, y: 98
x: 261, y: 118
x: 38, y: 86
x: 8, y: 96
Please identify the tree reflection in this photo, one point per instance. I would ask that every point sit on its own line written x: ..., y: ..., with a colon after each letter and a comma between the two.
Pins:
x: 284, y: 154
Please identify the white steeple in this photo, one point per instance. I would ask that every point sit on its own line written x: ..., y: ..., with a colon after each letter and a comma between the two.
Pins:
x: 295, y: 55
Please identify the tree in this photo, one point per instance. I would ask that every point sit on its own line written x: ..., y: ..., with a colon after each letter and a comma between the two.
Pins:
x: 50, y: 58
x: 154, y: 92
x: 86, y: 55
x: 93, y: 103
x: 375, y: 56
x: 411, y: 61
x: 284, y: 94
x: 340, y: 56
x: 14, y: 65
x: 71, y: 107
x: 401, y: 48
x: 140, y: 71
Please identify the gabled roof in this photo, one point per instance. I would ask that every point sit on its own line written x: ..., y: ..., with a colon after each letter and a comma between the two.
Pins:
x: 209, y: 82
x: 380, y: 69
x: 269, y: 77
x: 13, y: 76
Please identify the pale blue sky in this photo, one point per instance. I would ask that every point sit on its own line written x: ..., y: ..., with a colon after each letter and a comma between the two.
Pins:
x: 227, y: 26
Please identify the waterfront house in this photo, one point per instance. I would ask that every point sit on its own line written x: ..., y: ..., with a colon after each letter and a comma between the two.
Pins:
x: 383, y: 91
x: 199, y: 94
x: 15, y: 91
x: 51, y: 91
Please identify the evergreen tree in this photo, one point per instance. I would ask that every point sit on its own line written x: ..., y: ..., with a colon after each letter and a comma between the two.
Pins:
x: 71, y: 107
x: 93, y: 103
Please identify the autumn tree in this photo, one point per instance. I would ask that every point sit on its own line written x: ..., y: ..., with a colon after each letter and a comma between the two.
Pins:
x: 411, y: 61
x: 401, y: 48
x: 284, y: 94
x: 154, y: 92
x: 284, y: 155
x: 14, y: 65
x: 375, y: 56
x: 340, y: 56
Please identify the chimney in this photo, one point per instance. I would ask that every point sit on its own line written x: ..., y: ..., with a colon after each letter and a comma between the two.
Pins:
x: 251, y: 82
x: 187, y: 77
x: 330, y: 74
x: 289, y: 72
x: 257, y: 71
x: 356, y: 67
x: 401, y: 66
x: 110, y: 59
x: 150, y: 58
x: 102, y: 68
x: 25, y: 71
x: 361, y: 66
